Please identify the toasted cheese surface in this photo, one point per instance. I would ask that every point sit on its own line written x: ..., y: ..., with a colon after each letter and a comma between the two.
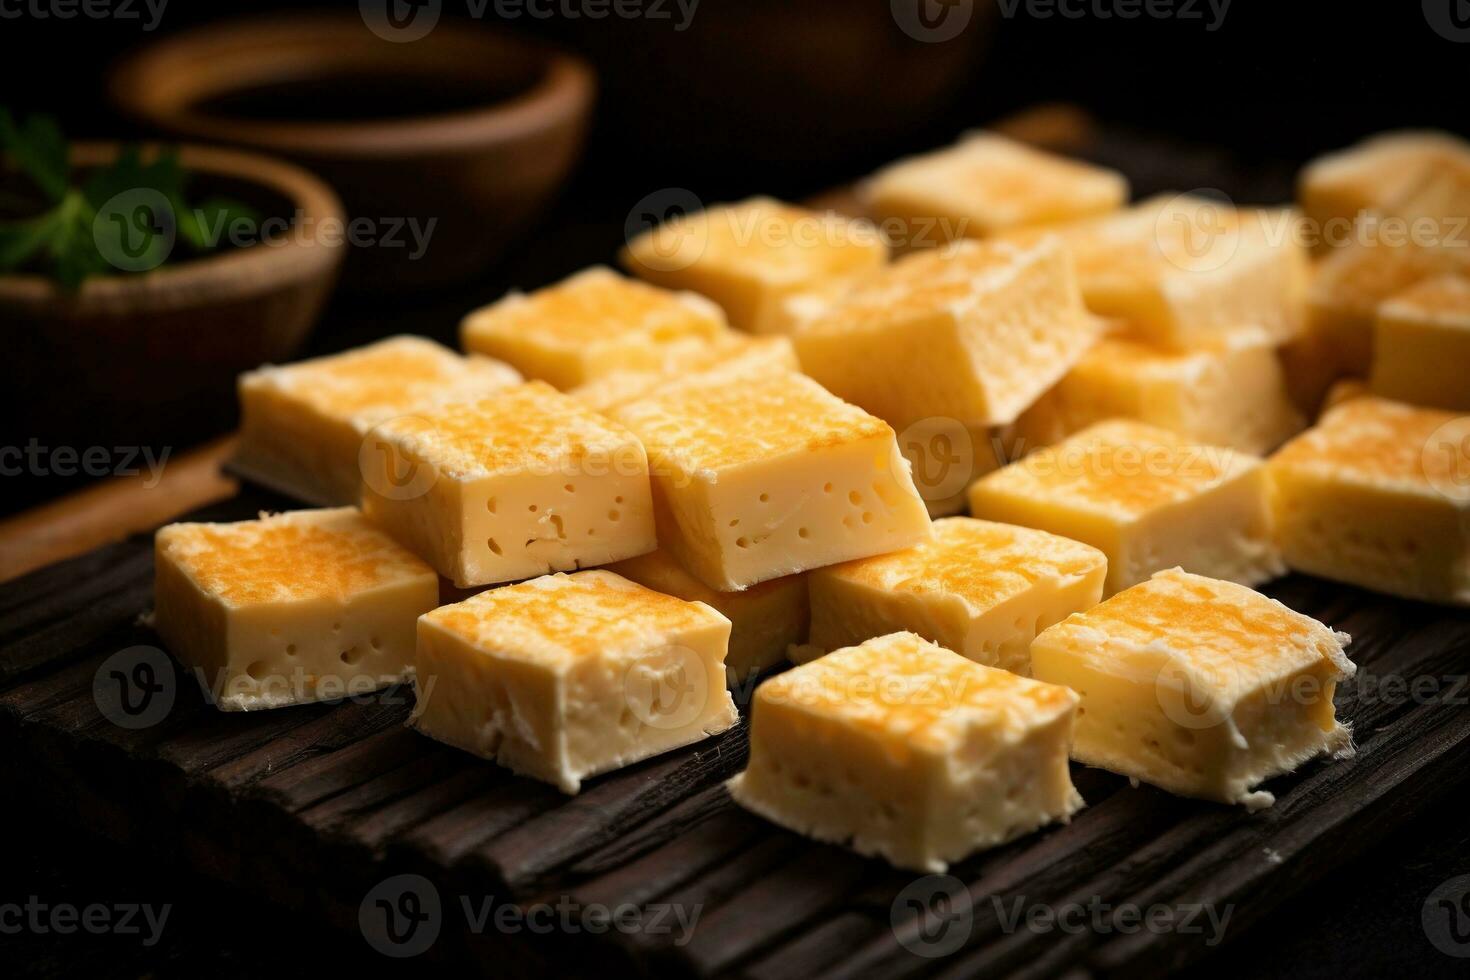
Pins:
x: 1375, y: 441
x: 903, y: 688
x: 523, y: 427
x: 299, y: 555
x: 558, y: 619
x: 1232, y: 636
x: 987, y: 183
x: 709, y: 426
x: 733, y: 354
x: 1442, y: 300
x: 981, y: 562
x: 390, y: 377
x: 1120, y: 468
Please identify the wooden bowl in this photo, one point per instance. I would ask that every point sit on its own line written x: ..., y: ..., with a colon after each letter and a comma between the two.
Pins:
x: 152, y: 357
x: 467, y: 127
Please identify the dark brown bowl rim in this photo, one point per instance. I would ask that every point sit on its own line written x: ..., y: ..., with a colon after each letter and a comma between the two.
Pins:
x: 212, y: 279
x: 148, y: 84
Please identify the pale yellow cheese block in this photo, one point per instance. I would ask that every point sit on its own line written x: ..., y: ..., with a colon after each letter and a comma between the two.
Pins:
x: 759, y: 477
x: 733, y: 353
x: 765, y: 619
x: 1201, y: 687
x: 1232, y: 396
x: 302, y: 426
x: 978, y: 588
x: 296, y: 607
x: 902, y: 749
x: 945, y: 456
x: 750, y: 255
x: 522, y: 483
x: 982, y: 185
x: 567, y: 676
x: 1421, y: 345
x: 1146, y: 497
x: 974, y: 332
x: 1336, y: 189
x: 1186, y: 271
x: 1377, y: 494
x: 590, y: 325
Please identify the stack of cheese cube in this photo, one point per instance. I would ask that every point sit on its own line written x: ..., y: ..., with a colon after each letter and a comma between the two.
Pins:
x: 645, y: 491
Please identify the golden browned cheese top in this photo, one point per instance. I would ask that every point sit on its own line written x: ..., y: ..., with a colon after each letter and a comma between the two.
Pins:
x: 330, y: 554
x: 914, y: 694
x: 1381, y: 442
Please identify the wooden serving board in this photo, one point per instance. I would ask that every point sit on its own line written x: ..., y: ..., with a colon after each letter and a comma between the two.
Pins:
x: 315, y: 807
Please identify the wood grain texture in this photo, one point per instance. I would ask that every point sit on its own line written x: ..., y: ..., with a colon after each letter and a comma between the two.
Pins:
x: 311, y: 807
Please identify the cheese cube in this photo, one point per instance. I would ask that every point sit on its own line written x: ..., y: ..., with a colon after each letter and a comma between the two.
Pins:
x: 305, y: 606
x: 736, y: 354
x: 1233, y: 396
x: 1424, y: 236
x: 519, y: 484
x: 567, y: 676
x: 1187, y: 272
x: 974, y: 332
x: 1421, y: 346
x: 903, y: 749
x: 589, y: 325
x: 771, y: 476
x: 981, y: 589
x: 1201, y: 687
x: 749, y: 256
x: 987, y: 184
x: 946, y: 456
x: 765, y: 619
x: 1147, y: 498
x: 303, y: 426
x: 1377, y: 495
x: 1336, y: 189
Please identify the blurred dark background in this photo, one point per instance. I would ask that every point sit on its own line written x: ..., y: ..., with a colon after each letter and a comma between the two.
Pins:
x: 790, y: 98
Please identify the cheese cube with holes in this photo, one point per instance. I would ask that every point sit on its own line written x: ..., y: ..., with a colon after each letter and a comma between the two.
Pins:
x: 526, y: 482
x: 1232, y: 396
x: 981, y: 589
x: 1338, y: 188
x: 986, y: 184
x: 749, y: 256
x: 1421, y: 348
x: 765, y: 619
x: 1147, y: 498
x: 974, y: 332
x: 1201, y: 687
x: 903, y: 749
x: 735, y: 354
x: 303, y: 426
x: 305, y: 606
x: 771, y: 476
x: 567, y: 676
x: 1424, y: 236
x: 592, y: 324
x: 1188, y: 272
x: 1377, y: 494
